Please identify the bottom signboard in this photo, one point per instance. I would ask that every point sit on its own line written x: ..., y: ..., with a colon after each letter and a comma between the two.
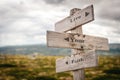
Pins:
x: 88, y: 59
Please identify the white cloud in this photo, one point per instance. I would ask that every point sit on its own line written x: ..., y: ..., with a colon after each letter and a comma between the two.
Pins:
x: 26, y: 21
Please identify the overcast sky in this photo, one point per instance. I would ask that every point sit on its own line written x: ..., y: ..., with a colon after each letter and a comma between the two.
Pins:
x: 26, y: 21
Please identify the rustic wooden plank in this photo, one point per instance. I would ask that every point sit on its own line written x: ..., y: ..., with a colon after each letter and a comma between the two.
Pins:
x: 80, y: 17
x: 75, y: 62
x: 76, y: 41
x: 79, y: 74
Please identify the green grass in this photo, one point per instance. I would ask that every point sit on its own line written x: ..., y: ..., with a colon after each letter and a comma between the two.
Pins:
x: 21, y: 67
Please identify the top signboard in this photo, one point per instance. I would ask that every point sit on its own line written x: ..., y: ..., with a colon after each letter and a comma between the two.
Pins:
x: 79, y: 18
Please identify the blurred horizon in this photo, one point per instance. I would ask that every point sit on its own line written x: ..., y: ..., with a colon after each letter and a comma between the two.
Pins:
x: 37, y: 44
x: 44, y: 50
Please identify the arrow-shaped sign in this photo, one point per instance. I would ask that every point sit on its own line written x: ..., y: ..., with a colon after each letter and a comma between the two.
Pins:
x: 79, y: 18
x: 78, y: 41
x: 88, y: 59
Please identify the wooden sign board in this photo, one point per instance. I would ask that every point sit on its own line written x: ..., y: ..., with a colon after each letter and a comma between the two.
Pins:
x: 76, y: 62
x: 76, y: 41
x: 79, y: 18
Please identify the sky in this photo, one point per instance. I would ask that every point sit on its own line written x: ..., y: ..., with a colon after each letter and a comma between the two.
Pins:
x: 25, y: 22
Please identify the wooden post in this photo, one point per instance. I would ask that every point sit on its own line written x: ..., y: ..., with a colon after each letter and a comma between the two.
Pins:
x: 77, y: 74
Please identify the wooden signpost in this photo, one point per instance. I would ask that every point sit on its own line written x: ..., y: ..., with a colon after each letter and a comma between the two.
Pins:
x: 83, y: 46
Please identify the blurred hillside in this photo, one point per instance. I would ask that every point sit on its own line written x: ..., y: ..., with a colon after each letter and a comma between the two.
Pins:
x: 44, y: 50
x: 22, y: 67
x: 30, y: 49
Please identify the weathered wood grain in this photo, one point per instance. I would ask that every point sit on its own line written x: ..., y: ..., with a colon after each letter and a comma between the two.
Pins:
x: 76, y: 41
x: 78, y: 18
x: 75, y: 62
x: 79, y: 74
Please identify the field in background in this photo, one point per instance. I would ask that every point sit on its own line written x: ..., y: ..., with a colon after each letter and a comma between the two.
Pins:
x: 22, y: 67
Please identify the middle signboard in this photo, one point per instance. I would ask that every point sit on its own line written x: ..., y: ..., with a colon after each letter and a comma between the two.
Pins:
x: 76, y: 41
